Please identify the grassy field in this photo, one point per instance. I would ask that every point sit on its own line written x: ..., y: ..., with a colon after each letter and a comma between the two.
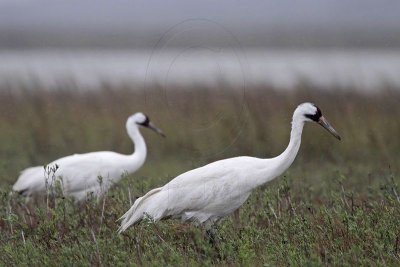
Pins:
x: 338, y: 204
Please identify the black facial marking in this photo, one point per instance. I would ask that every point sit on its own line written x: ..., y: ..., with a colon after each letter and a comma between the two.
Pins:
x: 146, y: 122
x: 315, y: 117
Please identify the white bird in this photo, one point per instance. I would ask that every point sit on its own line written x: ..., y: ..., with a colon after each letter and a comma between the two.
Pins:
x: 208, y: 193
x: 87, y: 174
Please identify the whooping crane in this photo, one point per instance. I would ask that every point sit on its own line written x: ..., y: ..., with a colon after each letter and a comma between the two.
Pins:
x: 209, y: 193
x: 92, y: 173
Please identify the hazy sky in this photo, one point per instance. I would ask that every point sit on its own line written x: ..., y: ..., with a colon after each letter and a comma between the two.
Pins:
x: 22, y: 20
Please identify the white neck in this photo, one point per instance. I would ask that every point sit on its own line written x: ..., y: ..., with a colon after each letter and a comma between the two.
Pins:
x: 138, y: 157
x: 284, y: 160
x: 276, y: 166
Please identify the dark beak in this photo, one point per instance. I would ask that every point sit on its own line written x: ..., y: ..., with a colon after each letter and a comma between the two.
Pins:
x: 324, y: 123
x: 154, y: 128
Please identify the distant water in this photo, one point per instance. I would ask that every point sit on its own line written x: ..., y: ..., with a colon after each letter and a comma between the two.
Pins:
x: 362, y: 69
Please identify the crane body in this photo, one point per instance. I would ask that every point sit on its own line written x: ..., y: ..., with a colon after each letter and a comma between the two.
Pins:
x: 208, y: 193
x: 89, y: 174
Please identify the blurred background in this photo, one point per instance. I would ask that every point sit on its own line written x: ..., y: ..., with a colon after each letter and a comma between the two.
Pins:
x: 274, y: 43
x: 221, y: 78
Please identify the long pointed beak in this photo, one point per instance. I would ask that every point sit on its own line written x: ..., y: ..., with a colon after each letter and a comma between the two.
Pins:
x: 154, y: 128
x: 324, y: 123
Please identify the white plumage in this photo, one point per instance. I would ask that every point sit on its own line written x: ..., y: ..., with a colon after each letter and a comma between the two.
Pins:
x: 209, y: 193
x: 87, y: 174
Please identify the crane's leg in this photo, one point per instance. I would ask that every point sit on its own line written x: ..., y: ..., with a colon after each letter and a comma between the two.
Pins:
x: 211, y: 236
x: 211, y: 232
x: 236, y: 218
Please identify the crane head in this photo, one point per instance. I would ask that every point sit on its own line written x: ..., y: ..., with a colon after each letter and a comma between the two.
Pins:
x: 142, y: 120
x: 313, y: 113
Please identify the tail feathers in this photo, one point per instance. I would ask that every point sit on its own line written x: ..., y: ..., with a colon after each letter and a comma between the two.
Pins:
x: 136, y: 212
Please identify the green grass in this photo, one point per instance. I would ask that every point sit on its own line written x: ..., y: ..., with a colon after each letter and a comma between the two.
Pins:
x: 338, y: 204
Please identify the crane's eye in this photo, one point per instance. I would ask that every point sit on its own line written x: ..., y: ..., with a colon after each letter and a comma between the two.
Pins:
x: 145, y: 122
x: 315, y: 117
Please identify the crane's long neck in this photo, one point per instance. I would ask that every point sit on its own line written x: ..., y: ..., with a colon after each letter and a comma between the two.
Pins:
x: 138, y: 157
x: 272, y: 168
x: 284, y: 160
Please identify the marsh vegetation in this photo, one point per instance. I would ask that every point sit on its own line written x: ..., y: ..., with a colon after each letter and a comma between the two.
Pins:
x: 337, y: 205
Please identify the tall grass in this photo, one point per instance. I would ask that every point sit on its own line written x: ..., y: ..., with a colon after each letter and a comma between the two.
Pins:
x: 337, y: 205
